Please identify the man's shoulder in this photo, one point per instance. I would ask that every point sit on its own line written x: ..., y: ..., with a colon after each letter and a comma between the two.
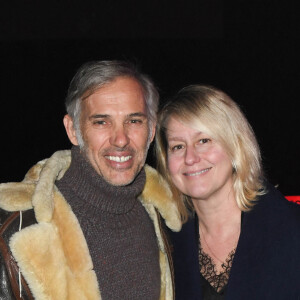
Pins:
x: 16, y: 196
x: 10, y: 222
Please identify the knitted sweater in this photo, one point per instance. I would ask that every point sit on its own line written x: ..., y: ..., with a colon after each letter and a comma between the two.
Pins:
x: 118, y: 231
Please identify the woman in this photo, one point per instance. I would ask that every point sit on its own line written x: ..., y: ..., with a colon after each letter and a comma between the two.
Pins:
x: 241, y: 237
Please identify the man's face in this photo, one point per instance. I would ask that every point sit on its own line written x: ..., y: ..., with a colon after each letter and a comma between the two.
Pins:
x: 115, y: 130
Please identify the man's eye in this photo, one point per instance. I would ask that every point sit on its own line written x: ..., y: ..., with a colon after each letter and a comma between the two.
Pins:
x: 100, y: 122
x: 136, y: 121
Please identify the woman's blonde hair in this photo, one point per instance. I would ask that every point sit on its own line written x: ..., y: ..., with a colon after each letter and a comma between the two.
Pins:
x: 212, y: 111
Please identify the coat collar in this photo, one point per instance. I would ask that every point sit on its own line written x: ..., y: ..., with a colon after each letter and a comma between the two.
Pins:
x: 36, y: 190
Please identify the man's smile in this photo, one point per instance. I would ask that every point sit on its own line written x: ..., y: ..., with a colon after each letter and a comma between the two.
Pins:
x: 119, y: 158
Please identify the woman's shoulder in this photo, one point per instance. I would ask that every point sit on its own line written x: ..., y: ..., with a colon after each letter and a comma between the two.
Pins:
x: 276, y: 201
x: 273, y: 212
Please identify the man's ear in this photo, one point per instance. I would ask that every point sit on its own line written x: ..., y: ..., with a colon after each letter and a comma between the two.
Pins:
x: 69, y: 126
x: 153, y: 132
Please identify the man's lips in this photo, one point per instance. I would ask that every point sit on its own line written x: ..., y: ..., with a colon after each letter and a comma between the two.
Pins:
x: 197, y: 172
x: 118, y: 158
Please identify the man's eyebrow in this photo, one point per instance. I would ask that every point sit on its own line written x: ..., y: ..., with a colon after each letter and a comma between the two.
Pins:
x: 98, y: 116
x: 138, y: 114
x: 103, y: 116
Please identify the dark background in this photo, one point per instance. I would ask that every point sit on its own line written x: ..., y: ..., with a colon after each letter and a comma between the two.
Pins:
x: 250, y: 50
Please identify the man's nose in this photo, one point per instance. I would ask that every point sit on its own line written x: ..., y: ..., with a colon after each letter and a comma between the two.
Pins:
x: 119, y: 137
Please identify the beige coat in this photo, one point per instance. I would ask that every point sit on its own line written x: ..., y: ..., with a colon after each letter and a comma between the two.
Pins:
x: 53, y: 255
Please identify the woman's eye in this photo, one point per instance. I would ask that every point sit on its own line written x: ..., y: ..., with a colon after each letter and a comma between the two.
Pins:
x: 177, y: 147
x: 204, y: 141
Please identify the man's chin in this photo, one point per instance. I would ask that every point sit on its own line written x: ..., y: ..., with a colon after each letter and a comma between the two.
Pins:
x: 119, y: 182
x: 121, y: 178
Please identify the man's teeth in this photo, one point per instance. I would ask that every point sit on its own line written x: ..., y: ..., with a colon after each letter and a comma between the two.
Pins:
x: 119, y: 158
x: 198, y: 173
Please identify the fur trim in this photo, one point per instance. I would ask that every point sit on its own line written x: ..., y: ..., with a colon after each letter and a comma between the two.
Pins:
x: 36, y: 188
x: 157, y: 193
x: 41, y: 254
x: 53, y: 169
x: 15, y: 196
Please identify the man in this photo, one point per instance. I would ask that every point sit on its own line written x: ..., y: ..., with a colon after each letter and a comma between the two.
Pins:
x: 98, y: 232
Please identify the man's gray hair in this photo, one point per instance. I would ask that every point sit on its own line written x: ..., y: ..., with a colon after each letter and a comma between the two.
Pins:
x: 93, y: 75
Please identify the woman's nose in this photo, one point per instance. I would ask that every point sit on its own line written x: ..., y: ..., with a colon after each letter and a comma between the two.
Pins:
x: 191, y: 156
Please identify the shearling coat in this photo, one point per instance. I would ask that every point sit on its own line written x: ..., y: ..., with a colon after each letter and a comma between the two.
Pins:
x: 52, y: 254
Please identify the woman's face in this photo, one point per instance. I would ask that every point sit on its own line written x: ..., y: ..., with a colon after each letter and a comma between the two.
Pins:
x: 198, y: 165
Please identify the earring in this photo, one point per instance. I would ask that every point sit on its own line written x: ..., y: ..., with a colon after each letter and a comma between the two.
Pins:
x: 234, y: 167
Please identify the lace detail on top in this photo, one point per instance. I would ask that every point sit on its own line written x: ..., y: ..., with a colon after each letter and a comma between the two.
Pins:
x: 208, y: 269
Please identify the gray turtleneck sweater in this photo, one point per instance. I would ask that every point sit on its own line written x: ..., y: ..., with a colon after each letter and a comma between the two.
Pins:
x: 119, y: 233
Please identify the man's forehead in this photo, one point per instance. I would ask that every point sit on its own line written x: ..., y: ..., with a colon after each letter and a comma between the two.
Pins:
x: 121, y: 97
x: 120, y: 84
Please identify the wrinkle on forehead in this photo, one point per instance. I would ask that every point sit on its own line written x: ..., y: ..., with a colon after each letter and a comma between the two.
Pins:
x: 123, y: 84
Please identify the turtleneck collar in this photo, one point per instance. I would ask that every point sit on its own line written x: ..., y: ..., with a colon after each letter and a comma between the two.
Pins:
x: 89, y: 186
